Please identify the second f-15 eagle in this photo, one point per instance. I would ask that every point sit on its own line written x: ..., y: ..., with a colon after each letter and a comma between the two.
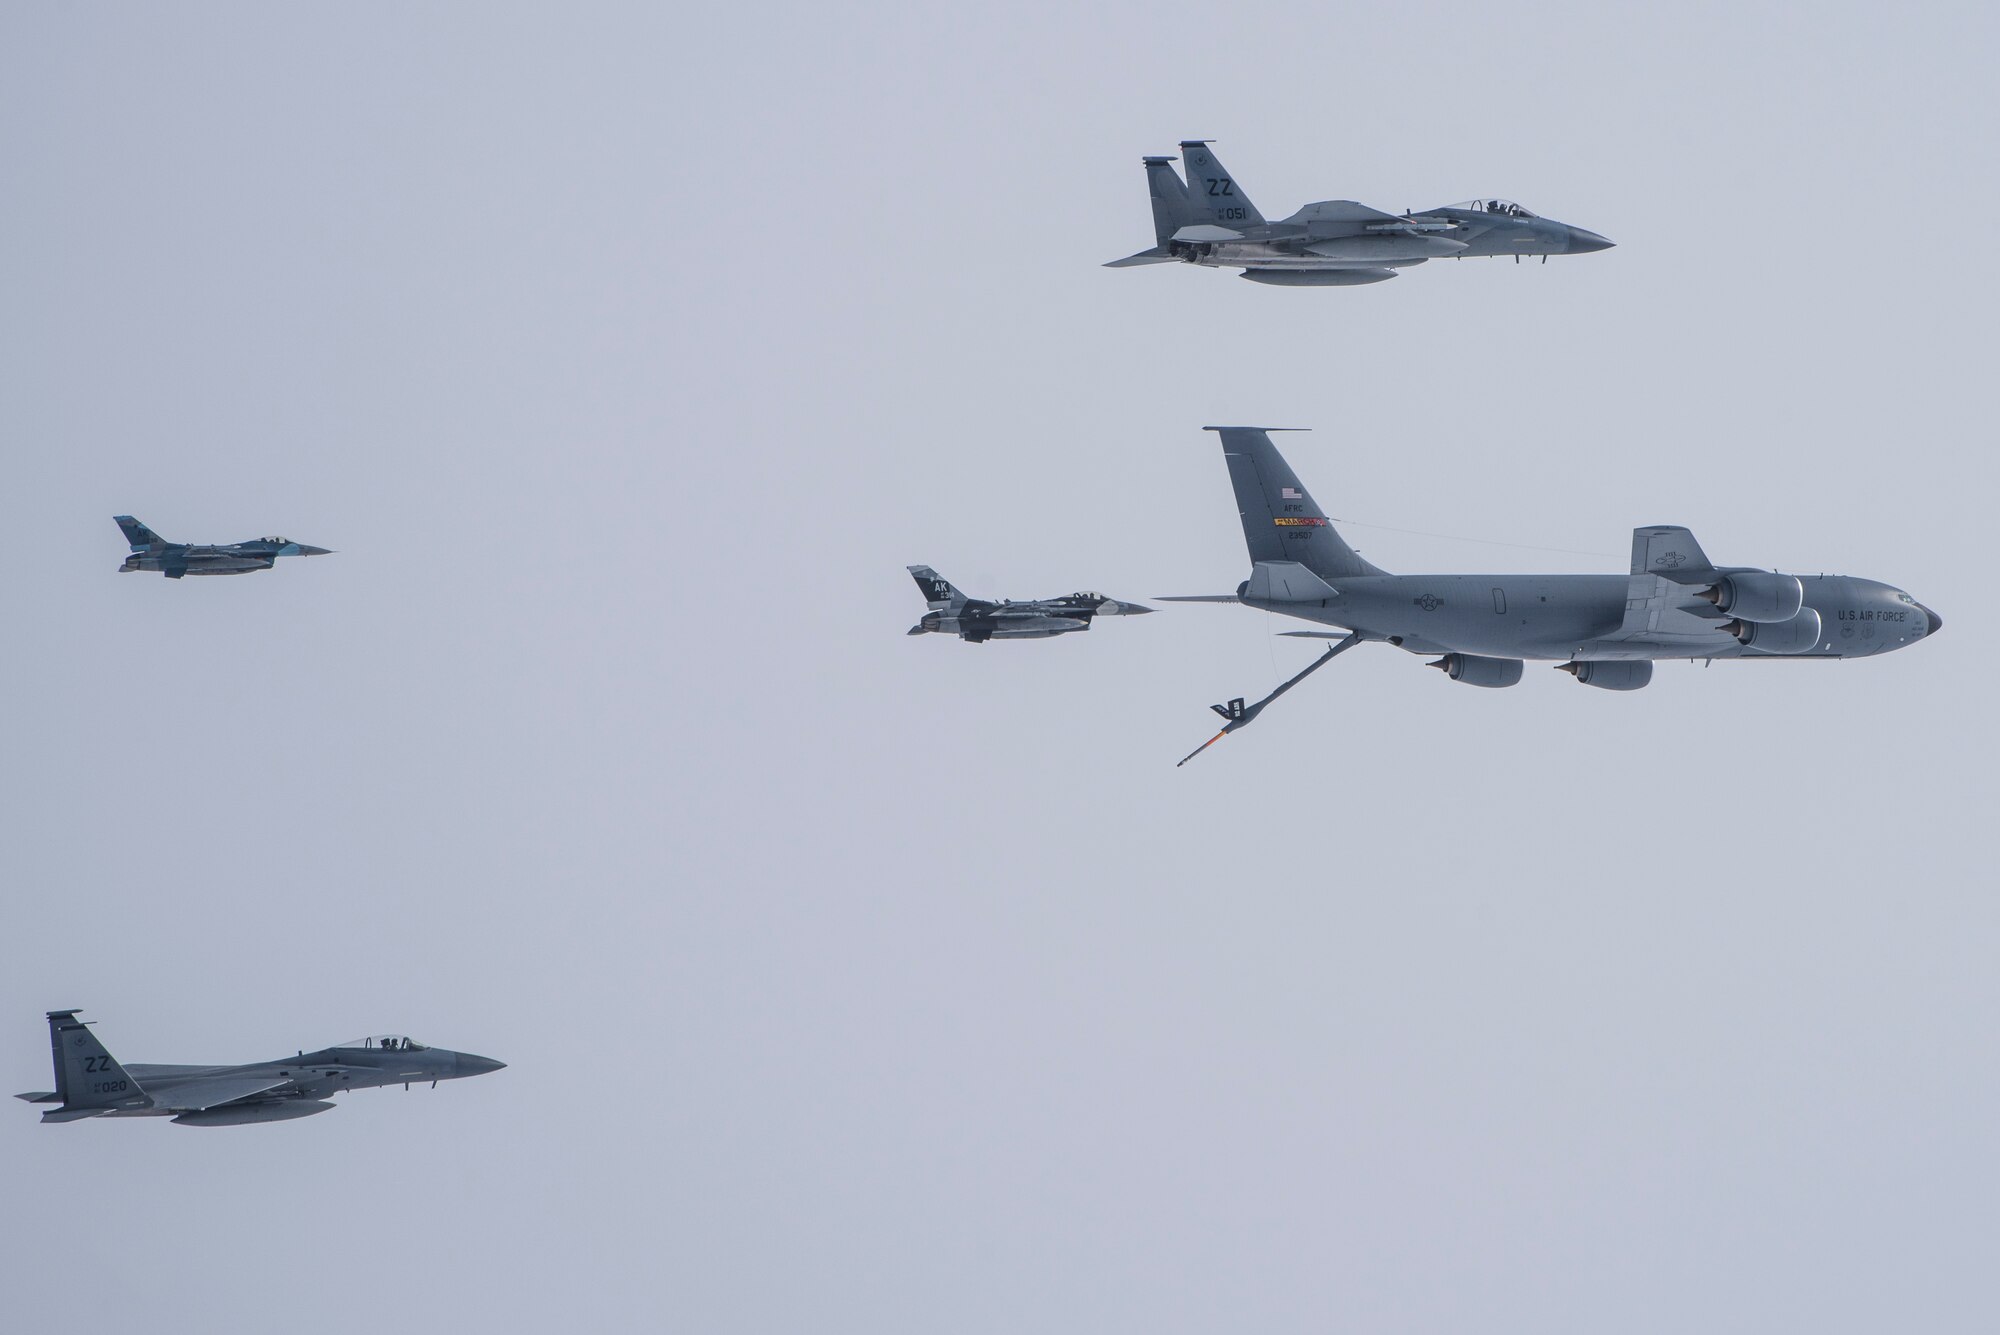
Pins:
x: 1208, y: 220
x: 90, y: 1082
x: 176, y: 560
x: 977, y: 620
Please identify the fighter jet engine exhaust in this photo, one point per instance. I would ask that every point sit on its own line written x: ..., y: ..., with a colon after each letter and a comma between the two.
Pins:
x: 1758, y: 595
x: 1474, y: 670
x: 1619, y: 676
x: 1796, y: 636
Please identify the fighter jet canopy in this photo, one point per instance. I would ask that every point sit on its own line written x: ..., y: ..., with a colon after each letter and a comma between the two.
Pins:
x: 387, y: 1042
x: 277, y: 542
x: 1505, y: 208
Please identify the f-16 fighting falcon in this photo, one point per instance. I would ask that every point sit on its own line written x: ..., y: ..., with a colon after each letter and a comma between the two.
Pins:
x: 91, y: 1083
x: 977, y: 620
x: 1605, y: 630
x: 1208, y: 220
x: 150, y: 551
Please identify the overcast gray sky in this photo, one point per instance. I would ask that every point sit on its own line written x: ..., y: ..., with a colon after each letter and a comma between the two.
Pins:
x: 852, y: 982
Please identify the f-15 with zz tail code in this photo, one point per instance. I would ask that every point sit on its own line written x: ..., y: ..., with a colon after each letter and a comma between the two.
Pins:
x: 90, y: 1082
x: 1208, y: 220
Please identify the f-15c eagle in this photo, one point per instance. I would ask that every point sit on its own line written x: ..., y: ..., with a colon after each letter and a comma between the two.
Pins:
x: 977, y: 620
x: 1605, y: 630
x: 91, y: 1083
x: 1208, y: 220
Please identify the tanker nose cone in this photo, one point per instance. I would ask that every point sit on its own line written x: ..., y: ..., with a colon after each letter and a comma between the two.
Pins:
x: 1932, y: 621
x: 471, y: 1065
x: 1582, y: 241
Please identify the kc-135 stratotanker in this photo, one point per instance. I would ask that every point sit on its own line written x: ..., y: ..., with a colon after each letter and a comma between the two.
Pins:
x: 1605, y: 630
x: 1208, y: 220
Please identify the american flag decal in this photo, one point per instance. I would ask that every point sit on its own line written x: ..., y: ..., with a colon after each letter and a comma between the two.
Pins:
x: 1291, y: 493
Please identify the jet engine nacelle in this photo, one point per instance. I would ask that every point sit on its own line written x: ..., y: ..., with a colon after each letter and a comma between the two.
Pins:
x: 1796, y: 636
x: 1758, y: 595
x: 239, y: 1114
x: 1620, y: 676
x: 1474, y: 670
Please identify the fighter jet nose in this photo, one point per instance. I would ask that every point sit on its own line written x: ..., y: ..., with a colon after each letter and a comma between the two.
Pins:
x: 471, y: 1065
x: 314, y: 551
x: 1134, y: 609
x: 1933, y: 623
x: 1582, y: 241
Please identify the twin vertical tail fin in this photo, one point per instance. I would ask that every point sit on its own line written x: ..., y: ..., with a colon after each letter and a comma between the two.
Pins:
x: 89, y: 1080
x: 1171, y: 209
x: 938, y: 591
x: 1212, y: 195
x: 138, y: 534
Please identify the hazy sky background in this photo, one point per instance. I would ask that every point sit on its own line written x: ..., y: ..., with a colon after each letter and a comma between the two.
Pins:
x: 852, y: 982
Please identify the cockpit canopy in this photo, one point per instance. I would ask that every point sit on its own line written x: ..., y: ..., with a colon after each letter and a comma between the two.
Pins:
x: 277, y: 542
x: 386, y: 1043
x: 1504, y: 208
x: 1087, y: 596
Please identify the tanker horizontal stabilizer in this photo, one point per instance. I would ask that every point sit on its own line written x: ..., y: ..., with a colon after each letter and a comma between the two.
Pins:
x: 1287, y: 582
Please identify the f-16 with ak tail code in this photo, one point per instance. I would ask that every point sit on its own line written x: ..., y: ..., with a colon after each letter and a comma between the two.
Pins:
x: 1208, y: 220
x: 979, y: 620
x: 1605, y: 630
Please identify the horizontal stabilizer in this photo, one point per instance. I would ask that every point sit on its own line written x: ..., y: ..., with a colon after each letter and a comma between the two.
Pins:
x: 1206, y: 232
x: 40, y: 1096
x: 1287, y: 582
x: 1157, y: 255
x: 1669, y: 551
x: 73, y: 1114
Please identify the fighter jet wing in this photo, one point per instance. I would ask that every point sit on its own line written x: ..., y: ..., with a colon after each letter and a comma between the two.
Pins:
x: 1340, y: 217
x: 216, y: 1090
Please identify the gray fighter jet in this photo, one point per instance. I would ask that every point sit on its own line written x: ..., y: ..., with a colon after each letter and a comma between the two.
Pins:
x: 1605, y: 630
x: 1208, y: 220
x: 150, y: 551
x: 91, y: 1083
x: 977, y: 620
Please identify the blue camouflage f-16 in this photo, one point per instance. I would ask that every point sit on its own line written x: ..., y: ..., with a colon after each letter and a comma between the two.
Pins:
x: 91, y: 1083
x: 1605, y: 630
x: 150, y: 551
x: 1208, y: 220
